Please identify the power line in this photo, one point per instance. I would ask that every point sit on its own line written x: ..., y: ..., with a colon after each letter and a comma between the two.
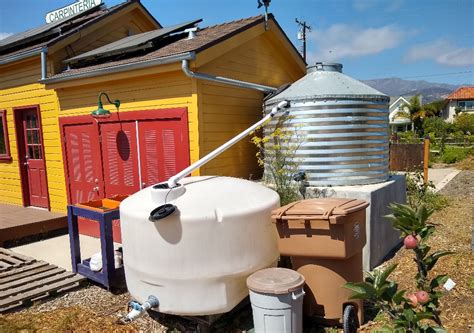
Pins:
x: 438, y: 74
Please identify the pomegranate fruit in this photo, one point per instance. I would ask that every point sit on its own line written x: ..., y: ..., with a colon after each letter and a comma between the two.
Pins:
x: 412, y: 299
x: 410, y: 242
x: 422, y: 297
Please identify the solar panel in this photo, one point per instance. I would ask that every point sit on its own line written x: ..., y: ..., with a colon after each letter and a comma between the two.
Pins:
x: 132, y: 43
x: 40, y: 32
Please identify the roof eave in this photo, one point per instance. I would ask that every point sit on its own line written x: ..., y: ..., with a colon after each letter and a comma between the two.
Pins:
x: 122, y: 68
x: 22, y: 55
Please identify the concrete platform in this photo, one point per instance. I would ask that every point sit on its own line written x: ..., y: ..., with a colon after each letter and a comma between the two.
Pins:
x: 381, y: 237
x: 56, y: 250
x: 17, y: 222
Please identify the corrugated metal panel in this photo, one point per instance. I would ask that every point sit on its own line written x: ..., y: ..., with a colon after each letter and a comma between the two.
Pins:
x: 345, y: 128
x: 132, y: 43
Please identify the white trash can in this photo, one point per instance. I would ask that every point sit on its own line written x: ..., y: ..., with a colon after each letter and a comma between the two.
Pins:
x: 276, y: 295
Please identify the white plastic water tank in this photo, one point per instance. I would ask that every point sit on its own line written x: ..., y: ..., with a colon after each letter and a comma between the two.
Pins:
x: 196, y: 260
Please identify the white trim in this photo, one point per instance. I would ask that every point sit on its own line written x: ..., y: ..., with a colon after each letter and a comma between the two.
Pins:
x: 398, y: 100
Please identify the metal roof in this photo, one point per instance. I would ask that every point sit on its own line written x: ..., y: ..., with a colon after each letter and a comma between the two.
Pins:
x: 132, y: 43
x: 325, y: 81
x: 42, y: 31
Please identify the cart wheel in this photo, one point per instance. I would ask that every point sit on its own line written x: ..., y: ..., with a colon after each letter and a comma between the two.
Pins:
x: 350, y: 321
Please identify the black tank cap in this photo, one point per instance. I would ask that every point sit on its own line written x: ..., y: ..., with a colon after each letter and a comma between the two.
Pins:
x: 161, y: 212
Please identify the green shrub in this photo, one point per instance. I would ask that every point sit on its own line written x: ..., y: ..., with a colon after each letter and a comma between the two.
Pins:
x: 455, y: 154
x: 464, y: 122
x: 408, y: 137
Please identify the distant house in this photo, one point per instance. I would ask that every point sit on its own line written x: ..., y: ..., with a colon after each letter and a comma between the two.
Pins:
x: 399, y: 115
x: 461, y: 100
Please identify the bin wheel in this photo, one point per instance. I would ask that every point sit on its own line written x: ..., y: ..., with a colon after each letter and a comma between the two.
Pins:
x: 350, y: 322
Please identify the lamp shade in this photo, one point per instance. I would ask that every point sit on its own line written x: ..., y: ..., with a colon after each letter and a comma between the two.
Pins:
x: 101, y: 112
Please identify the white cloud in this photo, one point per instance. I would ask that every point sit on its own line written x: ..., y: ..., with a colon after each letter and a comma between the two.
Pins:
x: 388, y: 5
x: 346, y: 41
x: 442, y: 52
x: 5, y: 35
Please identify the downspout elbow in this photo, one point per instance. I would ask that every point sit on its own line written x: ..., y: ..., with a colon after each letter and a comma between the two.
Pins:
x: 186, y: 69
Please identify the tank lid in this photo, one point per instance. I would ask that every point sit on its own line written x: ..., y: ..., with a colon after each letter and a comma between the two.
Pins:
x: 275, y: 281
x: 319, y: 208
x: 325, y: 81
x: 325, y: 66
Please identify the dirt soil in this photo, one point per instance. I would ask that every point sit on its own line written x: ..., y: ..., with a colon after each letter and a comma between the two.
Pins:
x: 453, y: 233
x: 93, y: 309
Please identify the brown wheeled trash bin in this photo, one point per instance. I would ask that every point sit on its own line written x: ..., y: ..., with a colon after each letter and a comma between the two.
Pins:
x: 324, y: 238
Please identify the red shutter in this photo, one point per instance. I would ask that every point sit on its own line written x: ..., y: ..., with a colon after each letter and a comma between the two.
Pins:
x: 82, y: 160
x: 164, y: 149
x: 120, y: 164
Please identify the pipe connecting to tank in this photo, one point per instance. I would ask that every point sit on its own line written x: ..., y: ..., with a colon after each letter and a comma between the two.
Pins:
x: 173, y: 181
x: 225, y: 80
x: 137, y: 309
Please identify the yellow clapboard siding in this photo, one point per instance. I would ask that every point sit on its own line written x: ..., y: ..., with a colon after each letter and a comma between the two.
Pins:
x: 226, y: 111
x: 28, y: 95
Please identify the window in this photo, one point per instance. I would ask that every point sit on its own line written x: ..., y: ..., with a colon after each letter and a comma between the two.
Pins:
x: 4, y: 144
x: 466, y: 105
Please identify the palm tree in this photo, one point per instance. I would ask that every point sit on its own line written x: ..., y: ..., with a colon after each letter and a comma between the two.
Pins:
x: 418, y: 112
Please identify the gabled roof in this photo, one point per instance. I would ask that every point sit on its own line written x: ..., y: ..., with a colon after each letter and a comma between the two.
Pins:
x: 395, y: 99
x: 177, y: 49
x: 462, y: 93
x: 34, y: 40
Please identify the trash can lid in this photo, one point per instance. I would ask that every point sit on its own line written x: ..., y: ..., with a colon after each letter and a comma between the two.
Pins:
x: 320, y: 207
x: 275, y: 281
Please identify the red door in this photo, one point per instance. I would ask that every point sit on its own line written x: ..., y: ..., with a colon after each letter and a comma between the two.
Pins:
x: 33, y: 160
x: 120, y: 158
x: 164, y: 149
x: 82, y: 159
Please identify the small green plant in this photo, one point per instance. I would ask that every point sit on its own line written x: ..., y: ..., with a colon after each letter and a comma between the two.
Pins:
x: 455, y: 154
x: 416, y: 311
x: 419, y: 192
x: 277, y: 150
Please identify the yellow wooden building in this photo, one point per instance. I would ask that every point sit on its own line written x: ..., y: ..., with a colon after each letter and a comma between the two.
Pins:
x: 168, y: 117
x: 31, y: 163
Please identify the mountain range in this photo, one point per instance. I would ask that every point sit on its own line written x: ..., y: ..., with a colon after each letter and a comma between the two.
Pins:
x: 394, y: 86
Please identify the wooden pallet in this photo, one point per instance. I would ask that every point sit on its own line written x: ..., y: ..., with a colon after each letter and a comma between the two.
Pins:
x: 24, y: 280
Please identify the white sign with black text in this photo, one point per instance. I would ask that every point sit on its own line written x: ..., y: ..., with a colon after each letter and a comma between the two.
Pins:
x: 77, y: 7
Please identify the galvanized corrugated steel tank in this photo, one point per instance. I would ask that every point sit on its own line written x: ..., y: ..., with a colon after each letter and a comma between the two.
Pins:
x: 345, y: 127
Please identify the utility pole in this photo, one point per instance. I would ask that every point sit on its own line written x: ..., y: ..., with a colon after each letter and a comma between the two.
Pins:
x: 302, y: 35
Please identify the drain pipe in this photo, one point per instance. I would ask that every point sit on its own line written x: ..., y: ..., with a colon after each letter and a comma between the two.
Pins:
x: 173, y: 181
x: 224, y: 80
x: 44, y: 63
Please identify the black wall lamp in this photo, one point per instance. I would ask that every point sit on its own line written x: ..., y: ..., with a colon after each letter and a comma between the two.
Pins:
x: 101, y: 112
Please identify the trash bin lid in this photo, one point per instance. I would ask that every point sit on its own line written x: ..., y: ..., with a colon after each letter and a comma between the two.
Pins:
x: 275, y: 281
x: 319, y: 208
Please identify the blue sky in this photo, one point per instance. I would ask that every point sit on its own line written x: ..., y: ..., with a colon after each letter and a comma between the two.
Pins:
x: 429, y: 40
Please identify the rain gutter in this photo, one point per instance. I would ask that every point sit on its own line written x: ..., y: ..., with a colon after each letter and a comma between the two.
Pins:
x: 21, y: 56
x: 224, y: 80
x: 121, y: 68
